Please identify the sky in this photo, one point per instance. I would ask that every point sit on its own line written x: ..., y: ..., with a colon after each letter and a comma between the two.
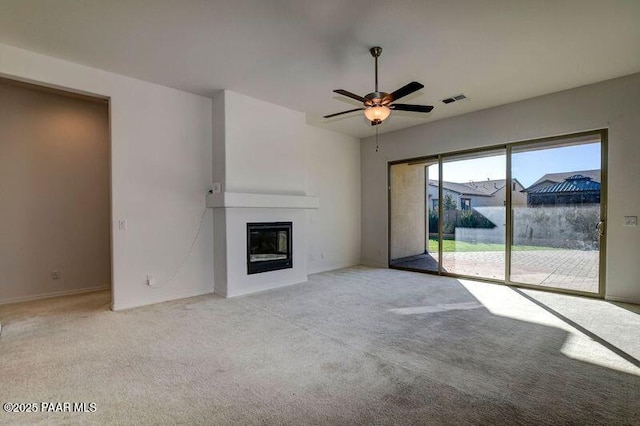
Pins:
x: 527, y: 166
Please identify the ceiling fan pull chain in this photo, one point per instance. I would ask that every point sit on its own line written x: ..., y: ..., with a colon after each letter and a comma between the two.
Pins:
x: 376, y: 138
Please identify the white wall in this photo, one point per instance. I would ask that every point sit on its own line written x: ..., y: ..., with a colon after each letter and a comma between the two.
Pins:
x: 54, y: 192
x: 333, y: 174
x: 613, y: 104
x: 265, y: 147
x: 161, y: 157
x: 270, y: 149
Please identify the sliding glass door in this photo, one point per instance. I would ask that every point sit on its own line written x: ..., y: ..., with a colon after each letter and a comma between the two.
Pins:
x: 557, y: 225
x: 473, y: 214
x: 529, y: 214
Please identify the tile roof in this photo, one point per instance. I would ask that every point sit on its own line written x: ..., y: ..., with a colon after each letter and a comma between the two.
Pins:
x: 483, y: 188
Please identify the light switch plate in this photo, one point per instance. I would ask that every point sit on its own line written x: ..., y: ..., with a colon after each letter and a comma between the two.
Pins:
x: 630, y: 221
x: 217, y: 187
x: 122, y: 225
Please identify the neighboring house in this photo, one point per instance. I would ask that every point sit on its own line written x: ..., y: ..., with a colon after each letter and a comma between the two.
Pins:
x: 563, y: 189
x: 476, y: 194
x: 551, y: 178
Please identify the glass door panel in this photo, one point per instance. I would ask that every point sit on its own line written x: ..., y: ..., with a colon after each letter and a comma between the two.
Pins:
x: 555, y: 217
x: 473, y: 214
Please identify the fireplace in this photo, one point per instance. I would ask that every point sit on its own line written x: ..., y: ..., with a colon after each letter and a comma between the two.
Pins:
x: 269, y: 246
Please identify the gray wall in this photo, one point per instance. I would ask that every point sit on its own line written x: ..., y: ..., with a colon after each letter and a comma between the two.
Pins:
x: 539, y: 226
x: 54, y: 192
x: 549, y: 226
x: 613, y: 104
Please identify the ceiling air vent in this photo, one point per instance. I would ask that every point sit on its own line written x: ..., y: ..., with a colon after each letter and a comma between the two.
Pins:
x: 455, y: 98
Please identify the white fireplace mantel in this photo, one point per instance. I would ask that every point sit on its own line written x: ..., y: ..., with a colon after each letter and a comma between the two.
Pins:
x: 247, y: 200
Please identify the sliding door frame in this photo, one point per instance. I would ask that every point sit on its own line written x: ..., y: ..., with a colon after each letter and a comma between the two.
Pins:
x: 602, y: 133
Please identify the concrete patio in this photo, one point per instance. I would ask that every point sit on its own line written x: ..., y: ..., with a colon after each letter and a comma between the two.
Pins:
x: 562, y: 268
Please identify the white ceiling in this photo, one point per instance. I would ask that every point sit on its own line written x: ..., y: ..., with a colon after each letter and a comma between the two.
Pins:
x: 294, y: 53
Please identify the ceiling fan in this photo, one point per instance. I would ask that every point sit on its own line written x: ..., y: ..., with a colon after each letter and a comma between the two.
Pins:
x: 377, y: 105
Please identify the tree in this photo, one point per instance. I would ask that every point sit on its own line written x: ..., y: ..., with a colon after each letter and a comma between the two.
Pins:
x: 449, y: 203
x: 433, y: 221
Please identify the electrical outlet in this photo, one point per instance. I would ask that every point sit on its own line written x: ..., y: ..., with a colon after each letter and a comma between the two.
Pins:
x: 122, y: 225
x: 55, y: 274
x: 630, y: 221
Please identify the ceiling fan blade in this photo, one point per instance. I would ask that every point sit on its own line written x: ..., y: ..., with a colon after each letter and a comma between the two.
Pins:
x: 406, y: 90
x: 350, y: 95
x: 343, y: 112
x: 414, y: 108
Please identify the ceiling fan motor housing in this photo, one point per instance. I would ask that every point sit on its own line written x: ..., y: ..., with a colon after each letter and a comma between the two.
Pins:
x: 377, y: 99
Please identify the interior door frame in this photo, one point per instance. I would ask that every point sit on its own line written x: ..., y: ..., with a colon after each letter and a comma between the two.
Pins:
x: 91, y: 97
x: 602, y: 133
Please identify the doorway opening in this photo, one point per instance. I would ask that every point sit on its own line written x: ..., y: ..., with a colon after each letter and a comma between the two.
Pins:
x: 55, y: 186
x: 413, y: 214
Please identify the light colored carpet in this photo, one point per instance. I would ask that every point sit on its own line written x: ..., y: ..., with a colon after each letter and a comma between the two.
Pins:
x: 354, y: 346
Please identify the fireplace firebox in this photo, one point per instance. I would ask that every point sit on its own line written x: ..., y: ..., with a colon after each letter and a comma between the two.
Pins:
x: 269, y: 246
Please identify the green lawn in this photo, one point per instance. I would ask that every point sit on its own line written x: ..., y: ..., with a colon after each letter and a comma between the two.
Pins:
x: 451, y: 246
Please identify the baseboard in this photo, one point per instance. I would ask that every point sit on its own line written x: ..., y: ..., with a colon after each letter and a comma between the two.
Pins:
x: 185, y: 295
x: 53, y: 294
x: 332, y: 267
x: 220, y: 293
x: 632, y: 300
x: 260, y: 290
x: 374, y: 263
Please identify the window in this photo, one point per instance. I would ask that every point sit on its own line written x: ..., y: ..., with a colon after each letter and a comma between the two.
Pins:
x: 465, y: 203
x: 436, y: 203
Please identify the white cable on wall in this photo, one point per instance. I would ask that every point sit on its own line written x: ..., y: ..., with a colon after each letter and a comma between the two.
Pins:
x: 184, y: 260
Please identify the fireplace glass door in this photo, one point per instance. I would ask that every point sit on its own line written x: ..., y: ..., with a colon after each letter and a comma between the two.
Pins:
x: 269, y: 246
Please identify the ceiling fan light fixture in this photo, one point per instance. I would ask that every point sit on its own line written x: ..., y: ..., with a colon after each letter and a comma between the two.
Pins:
x: 377, y: 105
x: 377, y: 113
